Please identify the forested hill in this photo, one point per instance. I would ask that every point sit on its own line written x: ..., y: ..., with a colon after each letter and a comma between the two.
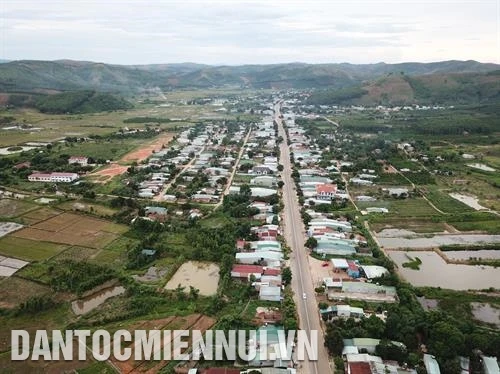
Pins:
x: 80, y: 102
x: 401, y: 89
x: 64, y: 75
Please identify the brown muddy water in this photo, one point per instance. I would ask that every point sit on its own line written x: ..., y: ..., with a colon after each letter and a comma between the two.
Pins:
x: 435, y: 272
x: 88, y: 303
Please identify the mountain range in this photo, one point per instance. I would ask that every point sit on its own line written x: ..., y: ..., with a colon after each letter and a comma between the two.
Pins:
x: 379, y: 82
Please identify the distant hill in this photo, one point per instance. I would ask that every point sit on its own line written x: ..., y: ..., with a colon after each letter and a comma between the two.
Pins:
x: 400, y: 89
x: 390, y: 82
x: 80, y: 102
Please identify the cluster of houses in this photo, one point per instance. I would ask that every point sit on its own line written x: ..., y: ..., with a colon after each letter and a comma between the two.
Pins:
x: 188, y: 146
x: 196, y: 152
x: 259, y: 162
x: 259, y: 262
x: 359, y: 357
x: 350, y: 280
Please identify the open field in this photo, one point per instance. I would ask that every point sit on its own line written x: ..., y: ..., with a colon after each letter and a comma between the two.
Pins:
x: 412, y: 207
x: 85, y: 206
x: 445, y: 202
x: 29, y: 250
x: 147, y: 150
x: 110, y: 258
x: 108, y: 172
x: 39, y: 215
x: 190, y: 322
x: 203, y: 276
x: 16, y: 290
x: 13, y: 208
x: 77, y: 254
x: 141, y: 153
x: 420, y: 225
x: 73, y: 229
x: 51, y: 127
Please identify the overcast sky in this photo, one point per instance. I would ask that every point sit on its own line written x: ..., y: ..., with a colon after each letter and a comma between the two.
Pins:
x: 252, y: 32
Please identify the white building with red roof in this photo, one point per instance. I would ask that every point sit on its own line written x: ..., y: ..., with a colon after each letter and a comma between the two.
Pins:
x: 326, y: 191
x: 53, y: 177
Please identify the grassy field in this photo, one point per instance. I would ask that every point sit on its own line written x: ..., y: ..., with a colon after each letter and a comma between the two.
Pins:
x: 445, y: 202
x: 53, y: 126
x: 76, y: 253
x: 215, y: 220
x: 490, y: 226
x: 29, y: 250
x: 52, y: 319
x: 115, y: 253
x: 13, y: 208
x: 102, y: 149
x: 113, y: 259
x: 39, y: 215
x: 412, y: 207
x: 74, y: 229
x: 121, y: 244
x: 416, y: 225
x: 84, y: 206
x: 16, y: 290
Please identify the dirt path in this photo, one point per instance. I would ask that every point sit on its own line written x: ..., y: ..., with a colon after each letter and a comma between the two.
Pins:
x: 235, y: 168
x: 141, y: 153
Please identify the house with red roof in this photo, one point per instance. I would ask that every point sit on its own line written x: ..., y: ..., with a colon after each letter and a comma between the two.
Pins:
x: 359, y: 368
x: 326, y: 191
x: 243, y: 271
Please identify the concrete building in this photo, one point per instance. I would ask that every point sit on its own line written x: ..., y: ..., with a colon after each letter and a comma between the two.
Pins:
x: 53, y: 177
x: 81, y: 160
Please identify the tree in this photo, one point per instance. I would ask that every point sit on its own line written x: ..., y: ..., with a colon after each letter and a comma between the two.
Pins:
x: 334, y: 340
x: 375, y: 326
x: 280, y: 167
x: 446, y: 340
x: 193, y: 293
x: 281, y: 184
x: 245, y: 191
x: 389, y: 351
x: 286, y: 275
x: 311, y: 242
x: 179, y: 292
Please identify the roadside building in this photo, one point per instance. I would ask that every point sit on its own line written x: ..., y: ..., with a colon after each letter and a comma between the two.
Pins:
x: 326, y: 191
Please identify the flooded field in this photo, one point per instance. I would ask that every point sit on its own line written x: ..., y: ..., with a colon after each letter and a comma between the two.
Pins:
x: 201, y: 275
x: 435, y: 272
x: 91, y: 302
x: 406, y: 239
x: 486, y: 313
x: 465, y: 255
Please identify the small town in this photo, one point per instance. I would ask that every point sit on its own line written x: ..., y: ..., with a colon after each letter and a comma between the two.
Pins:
x: 328, y: 171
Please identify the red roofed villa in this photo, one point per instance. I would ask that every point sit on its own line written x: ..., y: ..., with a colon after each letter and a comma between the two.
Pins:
x: 326, y: 191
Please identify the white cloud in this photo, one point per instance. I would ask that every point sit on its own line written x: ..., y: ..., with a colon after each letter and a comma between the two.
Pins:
x: 234, y: 32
